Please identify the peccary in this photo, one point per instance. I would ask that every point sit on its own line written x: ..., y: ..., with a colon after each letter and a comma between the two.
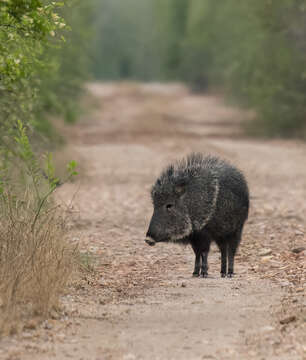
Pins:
x: 199, y: 200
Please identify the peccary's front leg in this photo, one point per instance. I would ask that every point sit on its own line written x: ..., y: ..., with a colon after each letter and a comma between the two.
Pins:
x: 204, y: 271
x: 197, y: 265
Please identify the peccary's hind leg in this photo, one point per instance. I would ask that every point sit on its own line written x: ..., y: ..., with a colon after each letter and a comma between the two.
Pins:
x: 223, y: 249
x: 204, y: 254
x: 232, y: 247
x: 197, y: 263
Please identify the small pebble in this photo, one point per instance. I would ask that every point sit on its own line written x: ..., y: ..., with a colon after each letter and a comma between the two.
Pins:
x: 265, y: 252
x: 47, y: 325
x: 266, y: 329
x: 265, y: 259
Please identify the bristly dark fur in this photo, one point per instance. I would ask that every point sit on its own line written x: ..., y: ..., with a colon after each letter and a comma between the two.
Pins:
x: 189, y: 167
x: 209, y: 200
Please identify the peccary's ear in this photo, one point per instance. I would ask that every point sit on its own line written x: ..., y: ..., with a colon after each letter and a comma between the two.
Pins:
x: 180, y: 189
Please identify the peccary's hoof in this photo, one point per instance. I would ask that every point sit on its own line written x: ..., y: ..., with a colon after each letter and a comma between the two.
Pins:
x: 195, y: 274
x: 230, y: 275
x: 223, y: 275
x: 204, y: 275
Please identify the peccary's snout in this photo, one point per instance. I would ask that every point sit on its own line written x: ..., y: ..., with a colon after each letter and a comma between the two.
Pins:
x: 150, y: 241
x: 150, y: 236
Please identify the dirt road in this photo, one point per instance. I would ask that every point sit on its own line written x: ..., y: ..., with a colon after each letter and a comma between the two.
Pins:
x: 141, y: 302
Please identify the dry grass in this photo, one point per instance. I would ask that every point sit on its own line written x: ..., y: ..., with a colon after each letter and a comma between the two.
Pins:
x: 36, y: 261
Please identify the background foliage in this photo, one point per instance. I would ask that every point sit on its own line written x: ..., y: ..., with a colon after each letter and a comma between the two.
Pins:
x: 43, y: 63
x: 254, y: 51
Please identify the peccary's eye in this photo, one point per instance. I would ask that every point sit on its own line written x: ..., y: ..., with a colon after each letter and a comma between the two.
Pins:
x: 169, y: 206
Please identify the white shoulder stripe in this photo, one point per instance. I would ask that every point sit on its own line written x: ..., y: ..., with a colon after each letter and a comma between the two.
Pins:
x: 213, y: 205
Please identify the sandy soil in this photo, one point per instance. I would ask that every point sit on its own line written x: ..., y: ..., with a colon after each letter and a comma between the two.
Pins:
x: 141, y: 302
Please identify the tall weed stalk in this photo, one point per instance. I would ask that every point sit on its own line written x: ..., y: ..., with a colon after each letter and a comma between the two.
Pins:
x: 36, y: 258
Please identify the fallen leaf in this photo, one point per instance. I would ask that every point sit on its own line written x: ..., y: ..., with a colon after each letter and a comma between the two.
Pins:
x: 288, y: 320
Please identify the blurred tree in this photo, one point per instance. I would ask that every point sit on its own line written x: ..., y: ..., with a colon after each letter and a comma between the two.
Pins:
x: 172, y: 16
x: 70, y: 64
x: 125, y: 42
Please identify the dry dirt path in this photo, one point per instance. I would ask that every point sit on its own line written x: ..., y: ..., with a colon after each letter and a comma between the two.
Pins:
x: 141, y: 302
